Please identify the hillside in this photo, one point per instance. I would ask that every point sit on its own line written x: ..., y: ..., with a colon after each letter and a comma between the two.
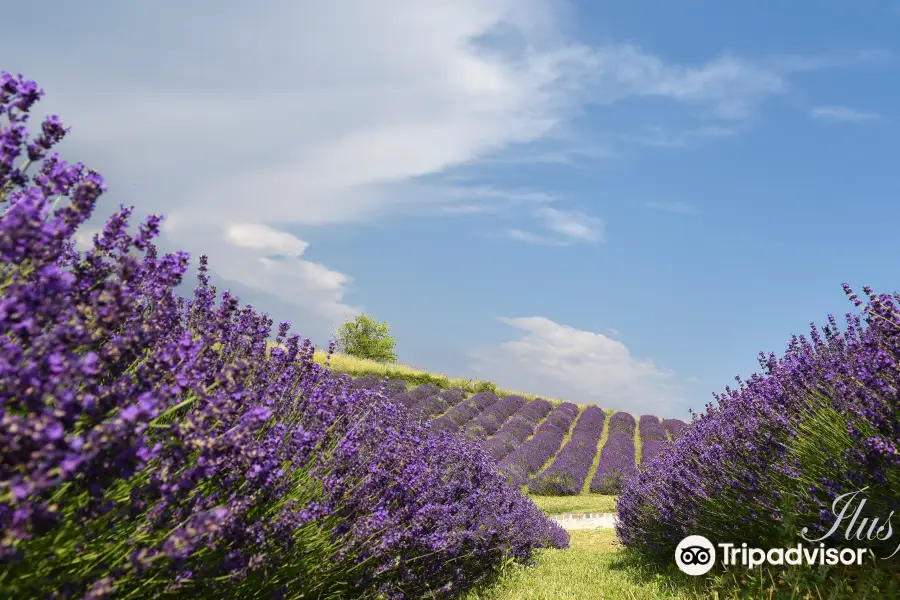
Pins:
x: 568, y: 457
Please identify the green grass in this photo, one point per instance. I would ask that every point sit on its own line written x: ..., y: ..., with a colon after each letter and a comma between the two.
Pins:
x: 592, y: 568
x: 638, y: 447
x: 583, y: 503
x: 595, y: 567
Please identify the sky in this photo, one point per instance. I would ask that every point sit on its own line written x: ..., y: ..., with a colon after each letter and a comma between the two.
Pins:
x: 616, y: 203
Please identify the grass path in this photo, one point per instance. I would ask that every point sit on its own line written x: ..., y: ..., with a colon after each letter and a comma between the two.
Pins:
x: 586, y: 488
x: 593, y: 568
x: 637, y: 442
x: 576, y: 505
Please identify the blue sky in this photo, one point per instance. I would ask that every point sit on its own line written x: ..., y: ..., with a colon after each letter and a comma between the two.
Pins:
x: 619, y: 203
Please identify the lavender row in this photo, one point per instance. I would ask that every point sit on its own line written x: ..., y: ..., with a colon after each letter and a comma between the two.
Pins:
x: 519, y: 427
x: 527, y: 459
x: 455, y: 418
x: 617, y: 458
x: 440, y: 403
x: 412, y: 398
x: 491, y: 420
x: 674, y: 427
x: 391, y: 387
x: 653, y: 437
x: 567, y: 474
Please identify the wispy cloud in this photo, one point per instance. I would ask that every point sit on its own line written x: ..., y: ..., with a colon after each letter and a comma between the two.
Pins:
x: 673, y: 207
x: 84, y: 236
x: 533, y: 238
x: 468, y: 209
x: 567, y: 226
x: 660, y: 137
x: 549, y: 153
x: 843, y: 113
x: 572, y: 224
x: 731, y: 86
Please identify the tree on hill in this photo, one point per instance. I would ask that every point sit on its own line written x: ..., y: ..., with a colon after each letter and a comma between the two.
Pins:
x: 364, y: 337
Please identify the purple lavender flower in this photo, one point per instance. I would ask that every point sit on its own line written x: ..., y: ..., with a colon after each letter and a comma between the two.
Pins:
x: 567, y: 474
x: 533, y: 454
x: 518, y: 428
x: 462, y: 413
x: 674, y: 427
x: 617, y: 457
x: 653, y: 437
x: 492, y: 418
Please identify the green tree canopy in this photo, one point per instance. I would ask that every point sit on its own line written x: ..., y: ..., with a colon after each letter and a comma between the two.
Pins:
x: 364, y: 337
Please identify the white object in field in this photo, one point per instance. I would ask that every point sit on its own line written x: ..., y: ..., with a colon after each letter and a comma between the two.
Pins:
x: 586, y: 521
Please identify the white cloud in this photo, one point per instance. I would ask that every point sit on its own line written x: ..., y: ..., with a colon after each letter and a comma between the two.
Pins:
x: 572, y: 225
x: 84, y: 236
x: 274, y: 261
x: 569, y: 155
x: 673, y: 207
x: 658, y: 137
x: 582, y: 366
x: 842, y: 113
x: 263, y: 237
x: 533, y: 238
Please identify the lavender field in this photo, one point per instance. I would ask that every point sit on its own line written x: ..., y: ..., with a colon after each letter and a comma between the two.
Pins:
x: 548, y: 447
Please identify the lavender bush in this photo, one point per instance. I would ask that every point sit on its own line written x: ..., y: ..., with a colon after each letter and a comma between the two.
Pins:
x: 395, y: 386
x: 819, y: 422
x: 531, y: 456
x: 567, y: 474
x: 420, y: 392
x: 653, y: 437
x: 489, y: 422
x: 156, y: 446
x: 462, y: 413
x: 483, y: 400
x: 617, y: 457
x: 674, y: 427
x: 367, y: 381
x: 439, y: 403
x: 517, y: 429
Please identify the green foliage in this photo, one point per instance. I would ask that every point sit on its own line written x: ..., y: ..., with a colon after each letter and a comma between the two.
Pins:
x: 364, y: 337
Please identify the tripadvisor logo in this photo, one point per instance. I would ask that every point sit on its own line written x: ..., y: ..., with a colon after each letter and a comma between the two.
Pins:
x: 695, y: 555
